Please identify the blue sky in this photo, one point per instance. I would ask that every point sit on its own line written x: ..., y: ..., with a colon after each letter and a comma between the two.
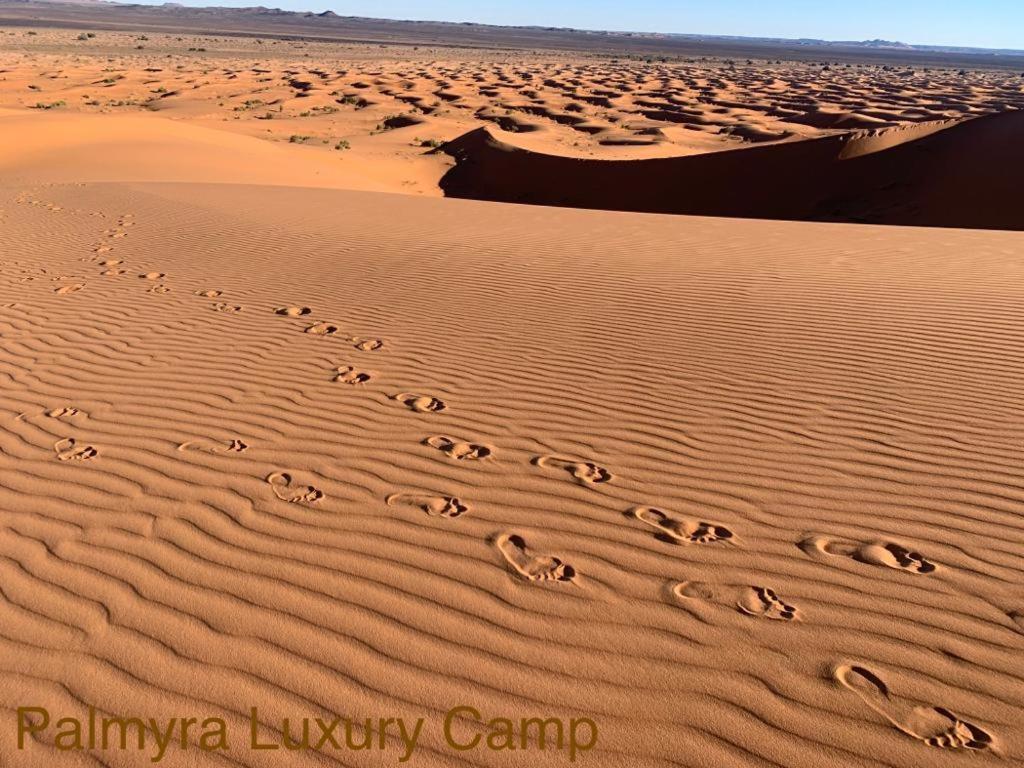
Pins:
x: 983, y: 23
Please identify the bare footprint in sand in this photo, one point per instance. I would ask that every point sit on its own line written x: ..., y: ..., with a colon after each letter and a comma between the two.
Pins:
x: 220, y: 306
x: 885, y: 553
x: 420, y: 403
x: 435, y: 506
x: 281, y: 482
x: 68, y: 449
x: 322, y: 329
x: 367, y: 345
x: 585, y: 472
x: 153, y: 276
x: 65, y: 412
x: 66, y: 289
x: 935, y: 726
x: 530, y: 566
x: 214, y: 446
x: 460, y: 451
x: 346, y: 374
x: 681, y: 530
x: 1017, y: 617
x: 209, y: 294
x: 292, y: 311
x: 756, y: 601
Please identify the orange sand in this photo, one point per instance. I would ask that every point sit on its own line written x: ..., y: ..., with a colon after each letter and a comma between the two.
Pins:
x: 743, y: 492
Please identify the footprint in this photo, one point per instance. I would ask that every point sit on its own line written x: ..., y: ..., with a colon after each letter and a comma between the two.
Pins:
x: 435, y: 506
x: 874, y: 553
x: 209, y: 294
x: 367, y: 345
x: 323, y: 329
x: 585, y: 472
x: 153, y: 276
x: 113, y: 272
x: 214, y: 446
x: 62, y: 413
x: 1017, y: 617
x: 220, y: 306
x: 281, y: 482
x: 102, y: 249
x: 420, y: 403
x: 532, y: 567
x: 753, y: 601
x: 66, y: 289
x: 69, y: 450
x: 293, y: 311
x: 65, y: 413
x: 348, y: 375
x: 460, y: 451
x: 935, y: 726
x: 111, y: 262
x: 681, y: 530
x: 159, y: 289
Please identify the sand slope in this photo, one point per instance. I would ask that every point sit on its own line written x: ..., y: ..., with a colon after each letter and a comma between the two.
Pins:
x: 138, y: 147
x: 958, y: 174
x: 747, y: 493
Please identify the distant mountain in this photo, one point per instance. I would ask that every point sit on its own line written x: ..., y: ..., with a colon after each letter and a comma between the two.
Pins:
x: 330, y: 25
x: 883, y: 45
x: 76, y: 2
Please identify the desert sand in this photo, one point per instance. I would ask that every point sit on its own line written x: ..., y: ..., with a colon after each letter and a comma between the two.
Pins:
x: 775, y: 139
x: 282, y: 427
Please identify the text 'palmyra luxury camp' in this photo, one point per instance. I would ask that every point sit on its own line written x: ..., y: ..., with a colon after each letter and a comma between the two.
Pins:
x: 463, y: 729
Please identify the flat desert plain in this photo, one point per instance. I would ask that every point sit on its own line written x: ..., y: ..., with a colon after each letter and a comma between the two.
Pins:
x: 284, y: 429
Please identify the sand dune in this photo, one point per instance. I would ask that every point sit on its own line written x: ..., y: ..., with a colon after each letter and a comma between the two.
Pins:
x: 379, y: 109
x: 743, y: 492
x: 954, y: 174
x: 138, y: 147
x: 740, y: 492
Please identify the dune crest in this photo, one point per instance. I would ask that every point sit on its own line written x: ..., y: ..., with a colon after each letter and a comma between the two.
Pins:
x: 952, y: 174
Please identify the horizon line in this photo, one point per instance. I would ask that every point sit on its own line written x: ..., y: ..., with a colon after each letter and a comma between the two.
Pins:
x: 552, y: 27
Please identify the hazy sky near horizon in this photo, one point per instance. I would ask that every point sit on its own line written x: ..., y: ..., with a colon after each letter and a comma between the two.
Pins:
x: 982, y: 23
